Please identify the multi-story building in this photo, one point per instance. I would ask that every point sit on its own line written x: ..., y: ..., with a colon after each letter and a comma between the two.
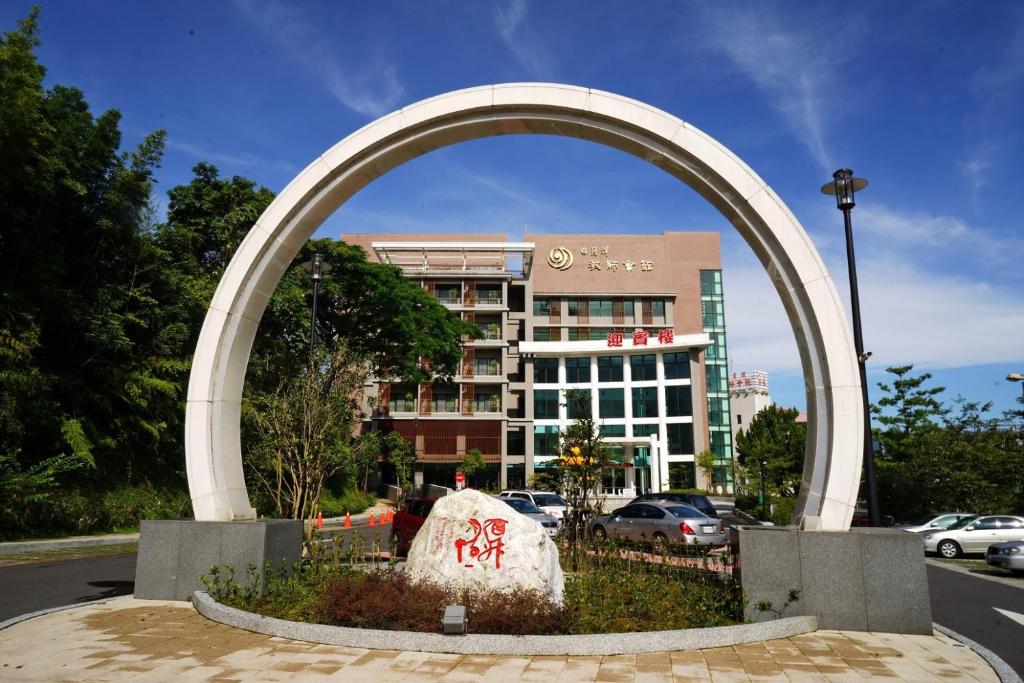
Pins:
x: 635, y: 323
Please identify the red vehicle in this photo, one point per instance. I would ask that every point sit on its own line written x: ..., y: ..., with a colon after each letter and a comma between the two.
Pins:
x: 408, y: 521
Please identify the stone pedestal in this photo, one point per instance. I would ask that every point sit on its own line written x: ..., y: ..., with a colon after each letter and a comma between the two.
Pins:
x: 173, y: 554
x: 857, y: 580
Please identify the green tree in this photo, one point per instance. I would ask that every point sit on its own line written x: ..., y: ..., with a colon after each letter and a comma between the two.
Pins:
x: 472, y: 463
x: 367, y: 456
x: 306, y: 429
x: 907, y: 410
x: 706, y: 464
x: 775, y: 438
x: 401, y: 455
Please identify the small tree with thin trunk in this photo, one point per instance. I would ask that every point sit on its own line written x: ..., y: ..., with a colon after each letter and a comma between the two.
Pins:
x: 401, y: 456
x: 306, y: 429
x: 472, y: 463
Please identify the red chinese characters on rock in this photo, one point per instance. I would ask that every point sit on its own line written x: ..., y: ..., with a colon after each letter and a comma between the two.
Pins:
x: 640, y: 337
x: 485, y: 544
x: 666, y: 336
x: 614, y: 339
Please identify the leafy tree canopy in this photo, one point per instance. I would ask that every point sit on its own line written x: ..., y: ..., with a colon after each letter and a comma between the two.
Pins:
x: 775, y: 438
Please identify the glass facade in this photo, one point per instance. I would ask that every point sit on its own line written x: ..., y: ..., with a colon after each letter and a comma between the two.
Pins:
x: 545, y: 371
x: 678, y: 402
x: 643, y: 368
x: 545, y: 440
x: 579, y: 404
x: 611, y: 403
x: 645, y: 402
x: 677, y: 366
x: 680, y: 438
x: 577, y: 370
x: 609, y: 369
x: 545, y: 404
x: 712, y: 303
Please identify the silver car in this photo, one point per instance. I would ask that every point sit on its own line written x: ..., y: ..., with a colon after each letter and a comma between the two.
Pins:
x: 936, y: 522
x: 525, y: 507
x: 1007, y: 556
x: 658, y: 523
x: 549, y: 502
x: 974, y: 535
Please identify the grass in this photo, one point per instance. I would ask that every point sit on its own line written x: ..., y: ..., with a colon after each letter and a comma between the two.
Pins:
x: 61, y: 554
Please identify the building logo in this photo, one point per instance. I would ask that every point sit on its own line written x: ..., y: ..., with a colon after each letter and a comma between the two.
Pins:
x: 560, y: 258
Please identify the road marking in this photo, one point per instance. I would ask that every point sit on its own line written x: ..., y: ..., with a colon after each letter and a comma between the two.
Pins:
x: 1019, y: 618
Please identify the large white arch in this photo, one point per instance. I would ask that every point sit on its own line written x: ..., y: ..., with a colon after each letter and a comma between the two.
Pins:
x: 834, y: 409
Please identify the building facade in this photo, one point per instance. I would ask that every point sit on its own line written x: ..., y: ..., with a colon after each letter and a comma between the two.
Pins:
x: 634, y: 323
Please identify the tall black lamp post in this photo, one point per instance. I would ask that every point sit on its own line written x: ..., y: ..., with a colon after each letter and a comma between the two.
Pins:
x: 843, y: 187
x: 316, y: 267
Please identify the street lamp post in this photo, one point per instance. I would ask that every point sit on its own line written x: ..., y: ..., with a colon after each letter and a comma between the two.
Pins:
x: 764, y: 501
x: 843, y: 187
x: 316, y: 267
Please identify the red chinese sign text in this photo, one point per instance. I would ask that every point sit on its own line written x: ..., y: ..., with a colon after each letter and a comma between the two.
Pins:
x: 614, y: 339
x: 485, y: 544
x: 640, y: 338
x: 666, y: 336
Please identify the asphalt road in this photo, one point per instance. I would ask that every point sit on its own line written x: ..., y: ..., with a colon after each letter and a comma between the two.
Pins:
x: 28, y: 588
x: 966, y: 603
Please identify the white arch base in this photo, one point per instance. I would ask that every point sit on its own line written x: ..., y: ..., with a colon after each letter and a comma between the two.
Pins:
x: 835, y: 420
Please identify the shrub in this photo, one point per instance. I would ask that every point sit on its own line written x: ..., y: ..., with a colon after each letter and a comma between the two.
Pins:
x: 748, y: 503
x: 782, y: 511
x: 352, y: 501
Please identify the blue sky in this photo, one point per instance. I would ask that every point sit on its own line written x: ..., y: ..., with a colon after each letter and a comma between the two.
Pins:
x: 923, y: 99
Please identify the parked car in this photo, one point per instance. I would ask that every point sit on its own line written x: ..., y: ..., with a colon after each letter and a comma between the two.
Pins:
x: 737, y: 517
x: 1007, y: 556
x: 407, y: 521
x: 702, y: 503
x: 660, y: 523
x: 935, y: 522
x: 548, y: 501
x: 525, y: 507
x: 973, y: 535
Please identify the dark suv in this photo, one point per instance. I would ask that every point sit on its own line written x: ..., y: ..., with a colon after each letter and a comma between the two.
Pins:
x: 694, y: 499
x: 408, y: 521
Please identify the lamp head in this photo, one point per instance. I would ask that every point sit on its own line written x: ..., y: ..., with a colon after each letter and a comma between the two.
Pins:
x: 1015, y: 377
x: 843, y: 187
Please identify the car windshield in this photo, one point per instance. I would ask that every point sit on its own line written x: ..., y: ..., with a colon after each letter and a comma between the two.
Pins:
x: 923, y: 520
x: 686, y: 511
x: 524, y: 506
x: 548, y: 499
x: 962, y: 523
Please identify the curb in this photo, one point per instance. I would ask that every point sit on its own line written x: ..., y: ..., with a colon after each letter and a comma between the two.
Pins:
x: 1003, y: 670
x: 480, y: 644
x: 50, y: 610
x: 60, y: 543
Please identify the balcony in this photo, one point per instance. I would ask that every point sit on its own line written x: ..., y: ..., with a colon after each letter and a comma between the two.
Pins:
x: 488, y: 296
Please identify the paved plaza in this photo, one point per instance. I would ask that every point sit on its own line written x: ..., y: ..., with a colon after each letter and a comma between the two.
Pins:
x: 145, y: 640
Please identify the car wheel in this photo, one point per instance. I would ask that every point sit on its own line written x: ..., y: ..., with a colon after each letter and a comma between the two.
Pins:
x: 599, y: 533
x: 659, y: 542
x: 396, y: 543
x: 949, y: 550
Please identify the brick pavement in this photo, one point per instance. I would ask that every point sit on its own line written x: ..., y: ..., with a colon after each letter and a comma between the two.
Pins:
x: 144, y: 640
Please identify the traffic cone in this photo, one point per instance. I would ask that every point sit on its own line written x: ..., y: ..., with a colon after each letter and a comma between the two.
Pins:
x: 391, y: 516
x: 371, y: 521
x: 348, y: 521
x: 319, y: 520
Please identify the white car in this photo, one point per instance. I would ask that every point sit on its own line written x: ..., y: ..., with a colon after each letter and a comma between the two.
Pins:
x: 974, y: 535
x: 548, y: 501
x: 936, y: 522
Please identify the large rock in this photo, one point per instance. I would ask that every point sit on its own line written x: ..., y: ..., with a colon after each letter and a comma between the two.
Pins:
x: 472, y: 539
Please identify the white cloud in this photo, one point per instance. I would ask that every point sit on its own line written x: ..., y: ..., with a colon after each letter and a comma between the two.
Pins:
x: 976, y: 167
x: 911, y: 314
x: 371, y: 88
x: 244, y: 159
x: 512, y: 25
x: 796, y: 69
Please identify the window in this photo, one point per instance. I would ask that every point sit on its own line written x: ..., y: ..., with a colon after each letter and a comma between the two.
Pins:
x: 516, y: 442
x: 599, y: 333
x: 644, y: 368
x: 573, y: 307
x: 611, y: 403
x: 677, y: 366
x: 447, y: 293
x: 609, y: 369
x: 578, y: 403
x: 545, y: 440
x: 613, y: 430
x: 680, y: 438
x: 650, y: 512
x: 718, y: 412
x: 577, y: 370
x: 545, y: 404
x: 630, y: 512
x: 542, y: 334
x: 601, y: 308
x: 627, y: 308
x: 645, y: 430
x: 985, y: 524
x: 658, y: 308
x: 574, y: 334
x: 712, y: 314
x: 1008, y: 523
x: 542, y: 307
x: 545, y: 370
x: 645, y: 402
x: 739, y: 419
x: 681, y: 475
x: 488, y: 294
x: 677, y: 401
x: 711, y: 282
